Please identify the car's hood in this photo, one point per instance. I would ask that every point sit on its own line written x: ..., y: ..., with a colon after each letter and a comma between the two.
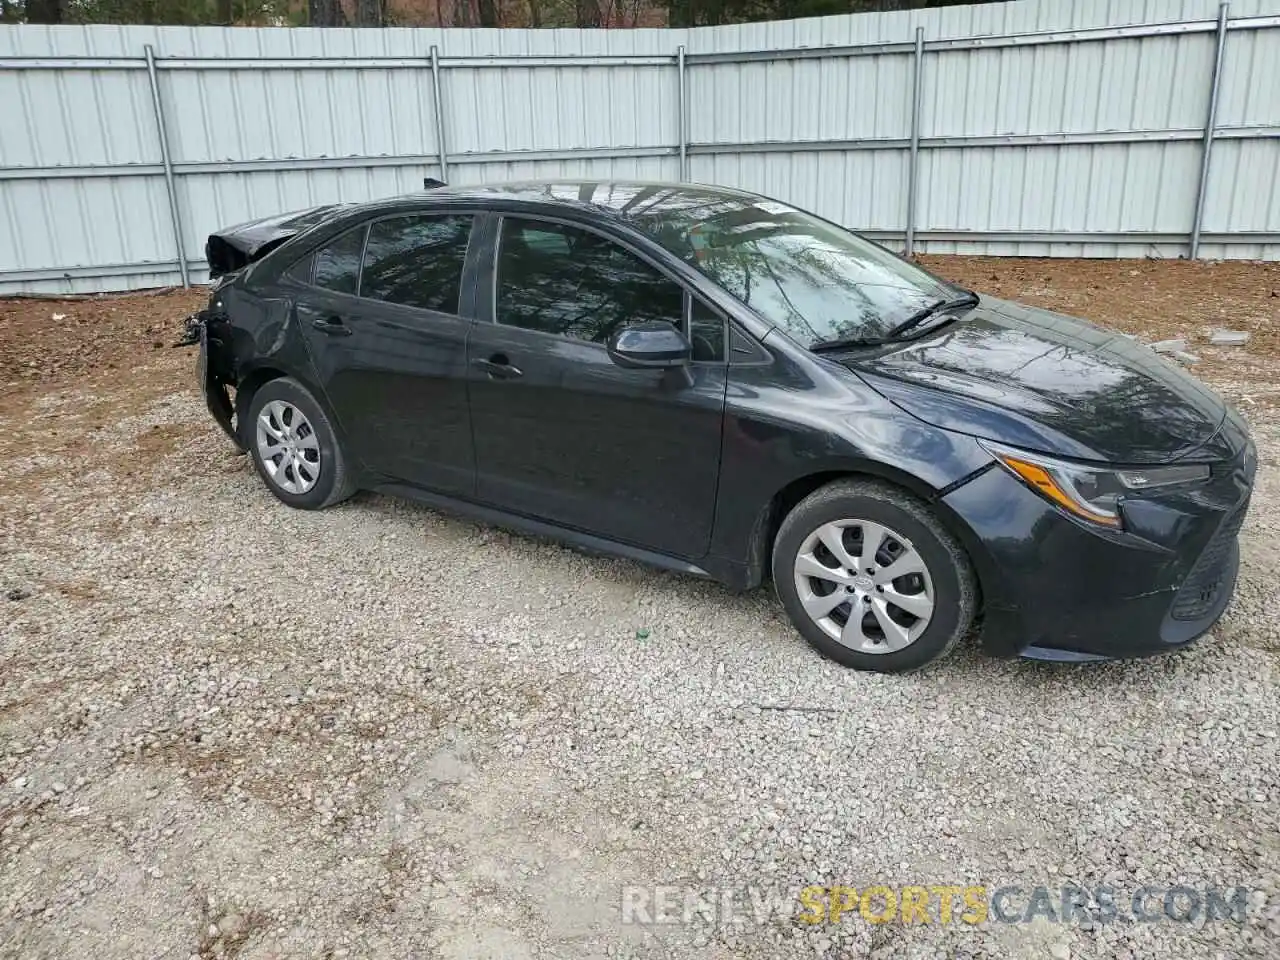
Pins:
x: 1048, y: 382
x: 230, y: 248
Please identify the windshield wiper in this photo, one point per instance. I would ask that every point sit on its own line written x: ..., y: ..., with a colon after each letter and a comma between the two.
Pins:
x: 969, y: 299
x: 846, y: 343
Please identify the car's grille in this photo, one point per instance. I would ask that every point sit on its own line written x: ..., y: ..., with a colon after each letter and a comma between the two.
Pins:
x: 1204, y: 583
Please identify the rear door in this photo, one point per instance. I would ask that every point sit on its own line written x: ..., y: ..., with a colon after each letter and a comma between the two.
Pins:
x: 385, y: 310
x: 564, y: 434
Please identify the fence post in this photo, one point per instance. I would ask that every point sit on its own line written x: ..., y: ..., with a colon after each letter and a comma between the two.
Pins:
x: 913, y: 170
x: 681, y: 119
x: 1210, y: 129
x: 439, y: 103
x: 174, y: 213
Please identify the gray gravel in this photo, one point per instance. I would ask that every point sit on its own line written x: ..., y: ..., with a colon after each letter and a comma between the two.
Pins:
x: 230, y: 729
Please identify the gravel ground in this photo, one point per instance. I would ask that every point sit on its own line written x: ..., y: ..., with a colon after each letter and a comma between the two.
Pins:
x: 228, y: 729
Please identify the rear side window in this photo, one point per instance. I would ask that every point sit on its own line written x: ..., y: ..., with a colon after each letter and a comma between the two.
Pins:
x: 416, y: 261
x: 338, y: 265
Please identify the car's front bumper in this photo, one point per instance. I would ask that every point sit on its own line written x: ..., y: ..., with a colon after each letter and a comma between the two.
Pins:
x: 1057, y: 589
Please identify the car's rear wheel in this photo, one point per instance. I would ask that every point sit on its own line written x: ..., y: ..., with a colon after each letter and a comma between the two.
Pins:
x: 294, y: 447
x: 871, y: 578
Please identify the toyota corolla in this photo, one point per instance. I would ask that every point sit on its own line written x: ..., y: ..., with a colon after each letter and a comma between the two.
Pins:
x: 720, y: 384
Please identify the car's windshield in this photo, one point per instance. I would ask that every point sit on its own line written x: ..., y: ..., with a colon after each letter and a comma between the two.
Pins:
x: 816, y: 281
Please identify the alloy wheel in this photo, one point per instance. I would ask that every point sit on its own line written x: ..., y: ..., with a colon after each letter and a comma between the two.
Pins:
x: 288, y: 447
x: 864, y: 585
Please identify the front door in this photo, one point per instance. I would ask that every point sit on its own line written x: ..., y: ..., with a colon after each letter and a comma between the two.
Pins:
x: 564, y: 434
x: 389, y: 345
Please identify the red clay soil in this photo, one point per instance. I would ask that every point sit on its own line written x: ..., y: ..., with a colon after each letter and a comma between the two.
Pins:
x: 1156, y: 299
x: 55, y: 341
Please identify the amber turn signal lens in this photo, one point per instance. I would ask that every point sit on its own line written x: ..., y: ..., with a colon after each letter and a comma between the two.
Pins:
x: 1040, y: 479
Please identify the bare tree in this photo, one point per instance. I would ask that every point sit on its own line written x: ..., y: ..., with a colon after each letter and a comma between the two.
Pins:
x: 44, y: 11
x: 369, y: 13
x: 326, y: 13
x: 459, y: 13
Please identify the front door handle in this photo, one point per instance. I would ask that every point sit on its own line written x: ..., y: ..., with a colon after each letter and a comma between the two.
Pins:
x: 498, y: 366
x: 332, y: 326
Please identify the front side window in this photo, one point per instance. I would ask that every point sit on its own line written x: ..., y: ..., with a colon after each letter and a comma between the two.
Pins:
x: 416, y: 261
x: 706, y: 332
x: 338, y: 265
x: 816, y: 281
x: 571, y: 282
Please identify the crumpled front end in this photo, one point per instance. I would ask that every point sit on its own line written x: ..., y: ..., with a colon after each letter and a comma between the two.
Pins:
x: 1056, y: 588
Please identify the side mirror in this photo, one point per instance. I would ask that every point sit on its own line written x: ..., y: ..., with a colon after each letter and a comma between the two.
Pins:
x: 653, y: 344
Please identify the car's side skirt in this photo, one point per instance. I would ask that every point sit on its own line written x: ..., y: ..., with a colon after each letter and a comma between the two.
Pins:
x: 587, y: 542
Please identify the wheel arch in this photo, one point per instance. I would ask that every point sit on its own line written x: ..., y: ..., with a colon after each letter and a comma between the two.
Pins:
x: 249, y: 384
x: 785, y: 500
x: 253, y: 376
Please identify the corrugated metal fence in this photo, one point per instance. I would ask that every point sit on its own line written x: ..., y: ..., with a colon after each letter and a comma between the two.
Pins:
x: 1038, y: 127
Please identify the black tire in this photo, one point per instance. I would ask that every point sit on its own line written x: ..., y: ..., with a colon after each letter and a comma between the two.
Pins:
x: 954, y: 586
x: 334, y: 482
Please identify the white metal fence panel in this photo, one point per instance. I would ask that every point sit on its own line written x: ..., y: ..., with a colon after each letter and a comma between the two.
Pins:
x: 1043, y: 127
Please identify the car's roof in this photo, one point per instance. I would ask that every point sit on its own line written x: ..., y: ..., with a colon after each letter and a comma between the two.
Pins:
x: 622, y: 199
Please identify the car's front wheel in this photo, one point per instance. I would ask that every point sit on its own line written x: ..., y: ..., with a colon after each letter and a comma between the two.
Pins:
x: 294, y: 447
x: 871, y: 578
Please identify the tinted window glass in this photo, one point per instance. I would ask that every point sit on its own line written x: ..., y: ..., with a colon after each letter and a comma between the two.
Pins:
x: 301, y: 271
x: 338, y: 264
x: 567, y: 281
x: 416, y: 261
x: 545, y: 241
x: 706, y: 332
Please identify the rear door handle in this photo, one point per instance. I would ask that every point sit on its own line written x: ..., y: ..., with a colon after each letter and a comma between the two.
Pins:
x: 332, y: 326
x: 498, y: 366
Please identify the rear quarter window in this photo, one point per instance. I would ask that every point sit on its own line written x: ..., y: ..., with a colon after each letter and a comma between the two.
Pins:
x: 300, y: 271
x: 337, y: 266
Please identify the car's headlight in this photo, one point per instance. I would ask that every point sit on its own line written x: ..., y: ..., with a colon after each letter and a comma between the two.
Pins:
x: 1090, y: 492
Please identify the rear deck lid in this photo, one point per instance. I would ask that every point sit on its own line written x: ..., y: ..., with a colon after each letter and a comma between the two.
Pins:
x: 231, y: 248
